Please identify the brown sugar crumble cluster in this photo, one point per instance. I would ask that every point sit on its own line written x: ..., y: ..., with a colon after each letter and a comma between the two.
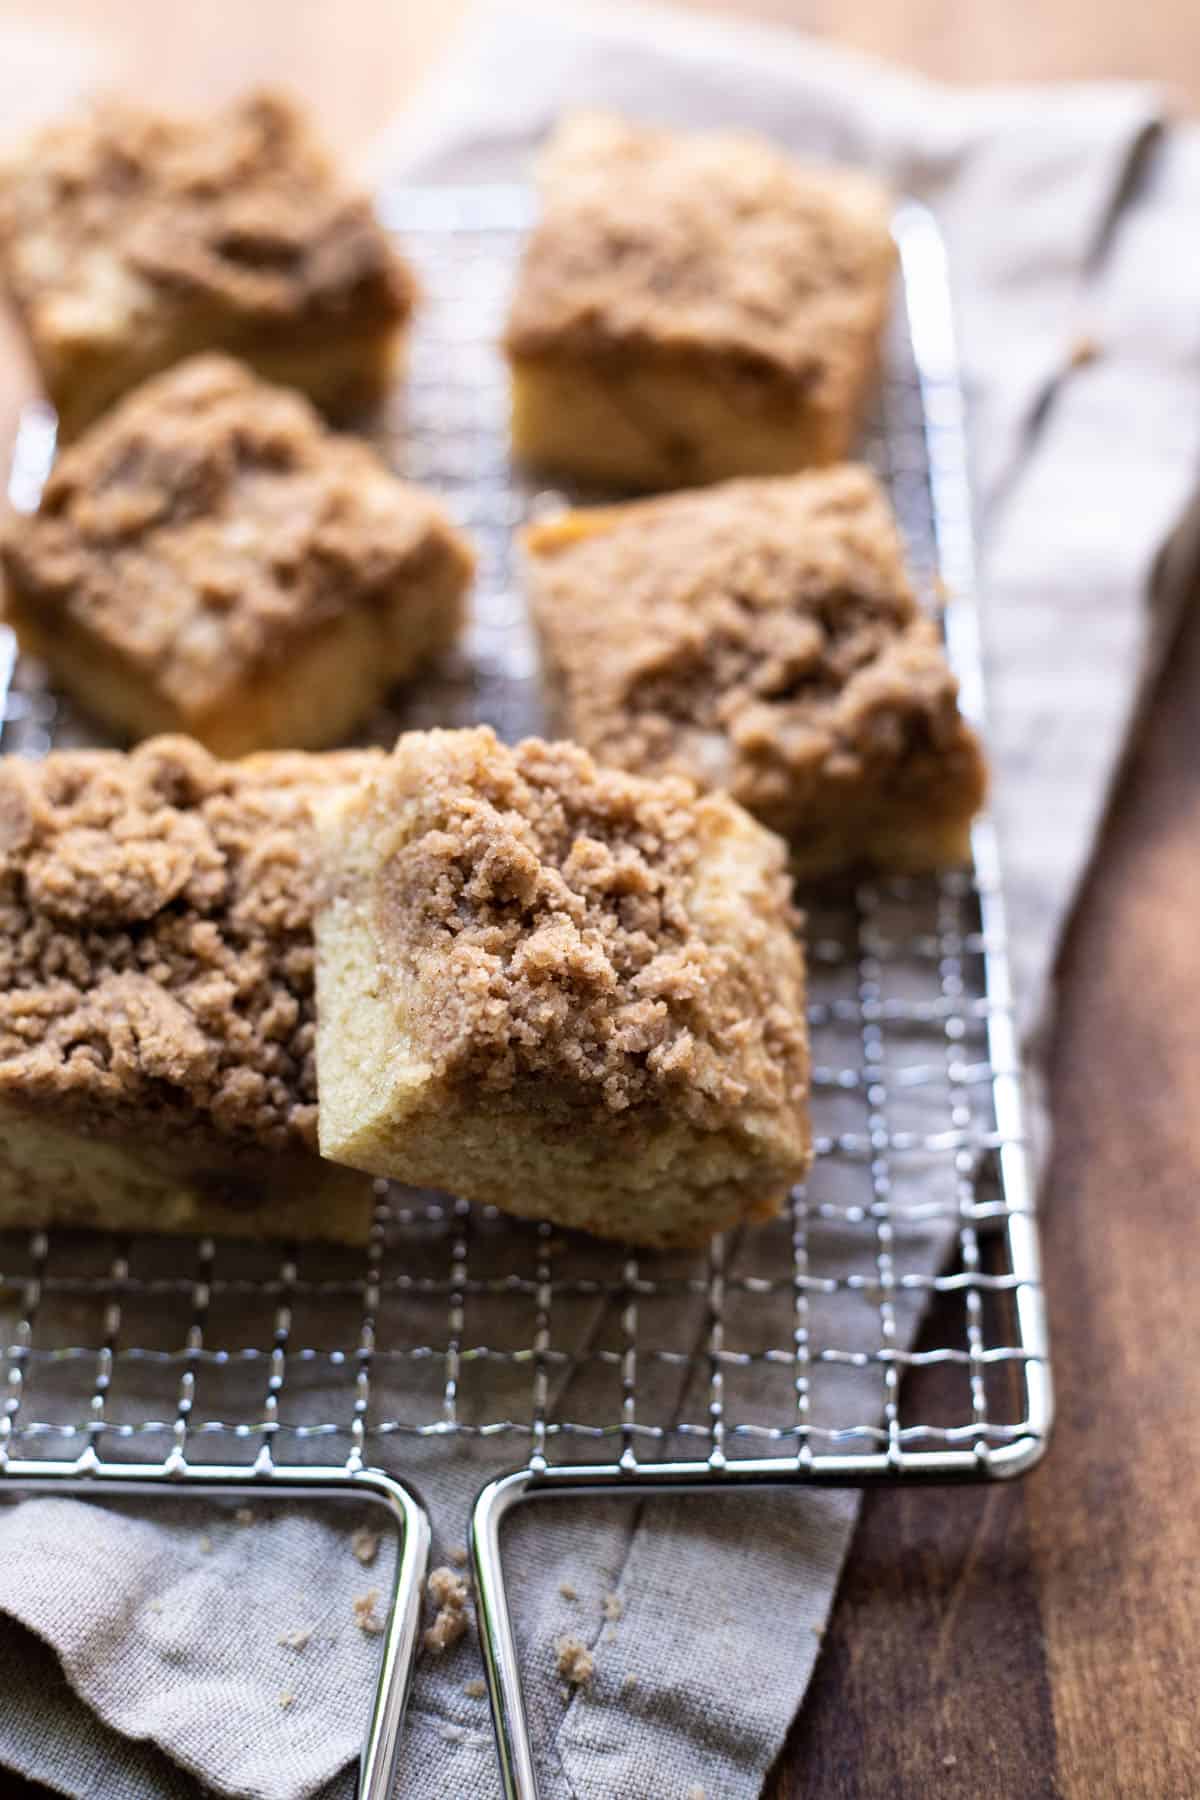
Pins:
x: 763, y: 637
x: 210, y: 559
x: 693, y: 306
x: 129, y: 239
x: 545, y: 912
x: 156, y: 992
x: 562, y: 989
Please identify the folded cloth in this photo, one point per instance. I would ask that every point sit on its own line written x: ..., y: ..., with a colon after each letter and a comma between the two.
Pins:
x: 1060, y: 207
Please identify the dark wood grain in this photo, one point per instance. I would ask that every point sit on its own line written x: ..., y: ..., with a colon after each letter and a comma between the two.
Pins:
x: 1040, y: 1640
x: 932, y: 1678
x: 1046, y: 1637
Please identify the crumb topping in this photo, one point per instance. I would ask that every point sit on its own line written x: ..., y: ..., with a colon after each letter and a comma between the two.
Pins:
x: 156, y: 953
x: 701, y: 242
x: 760, y: 636
x: 364, y: 1542
x: 449, y: 1593
x: 547, y: 913
x: 209, y: 522
x: 116, y: 214
x: 574, y: 1661
x: 365, y: 1616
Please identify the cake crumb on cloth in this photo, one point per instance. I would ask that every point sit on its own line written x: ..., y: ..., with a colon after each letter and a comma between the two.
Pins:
x: 365, y: 1616
x: 575, y: 1661
x: 365, y: 1545
x: 449, y: 1594
x: 1084, y: 349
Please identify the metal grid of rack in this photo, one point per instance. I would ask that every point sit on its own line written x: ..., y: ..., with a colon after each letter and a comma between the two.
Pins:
x: 777, y: 1357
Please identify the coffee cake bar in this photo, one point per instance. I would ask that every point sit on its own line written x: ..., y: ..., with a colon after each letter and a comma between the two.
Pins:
x: 130, y: 239
x: 156, y: 995
x: 694, y: 306
x: 563, y: 990
x: 209, y: 559
x: 763, y: 637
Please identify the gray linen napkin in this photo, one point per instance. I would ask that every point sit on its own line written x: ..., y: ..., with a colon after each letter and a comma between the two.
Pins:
x: 166, y: 1624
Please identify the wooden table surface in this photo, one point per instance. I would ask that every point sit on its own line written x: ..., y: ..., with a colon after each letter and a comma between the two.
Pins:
x: 1004, y: 1644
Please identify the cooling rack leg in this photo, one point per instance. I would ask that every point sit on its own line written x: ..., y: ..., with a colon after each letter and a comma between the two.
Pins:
x: 377, y: 1770
x: 90, y: 1478
x: 511, y: 1723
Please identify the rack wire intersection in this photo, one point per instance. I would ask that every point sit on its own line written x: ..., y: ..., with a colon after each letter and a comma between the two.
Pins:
x: 775, y: 1359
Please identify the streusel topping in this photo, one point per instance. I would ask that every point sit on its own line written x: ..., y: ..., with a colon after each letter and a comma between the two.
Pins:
x: 156, y: 949
x: 111, y: 214
x: 547, y: 913
x: 700, y: 242
x: 209, y: 521
x: 760, y: 636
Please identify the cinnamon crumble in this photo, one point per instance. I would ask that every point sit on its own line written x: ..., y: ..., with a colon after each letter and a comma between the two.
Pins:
x: 574, y: 1661
x: 196, y: 551
x: 449, y: 1594
x: 129, y: 239
x: 715, y: 306
x: 156, y: 987
x: 763, y: 637
x: 605, y: 964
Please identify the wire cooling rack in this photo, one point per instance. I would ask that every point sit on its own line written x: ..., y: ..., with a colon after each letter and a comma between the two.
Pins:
x: 775, y: 1358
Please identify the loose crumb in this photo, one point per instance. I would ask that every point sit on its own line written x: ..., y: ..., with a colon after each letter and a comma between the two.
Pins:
x: 205, y: 1546
x: 610, y: 1636
x: 448, y: 1592
x: 244, y: 1515
x: 575, y: 1662
x: 629, y: 1683
x: 296, y: 1640
x: 458, y: 1556
x: 696, y: 1792
x: 567, y: 1591
x: 475, y: 1689
x: 366, y: 1618
x: 948, y: 1762
x: 365, y: 1545
x: 286, y: 1700
x: 614, y: 1606
x: 1084, y: 350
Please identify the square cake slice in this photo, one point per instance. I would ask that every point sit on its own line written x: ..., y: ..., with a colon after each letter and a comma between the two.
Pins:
x: 209, y: 559
x: 563, y: 990
x: 763, y: 637
x: 130, y: 239
x: 156, y: 995
x: 693, y: 307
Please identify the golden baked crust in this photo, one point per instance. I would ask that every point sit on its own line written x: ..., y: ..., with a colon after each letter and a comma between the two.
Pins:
x: 722, y: 301
x: 561, y: 989
x: 156, y: 981
x: 208, y: 533
x: 762, y: 637
x: 129, y: 238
